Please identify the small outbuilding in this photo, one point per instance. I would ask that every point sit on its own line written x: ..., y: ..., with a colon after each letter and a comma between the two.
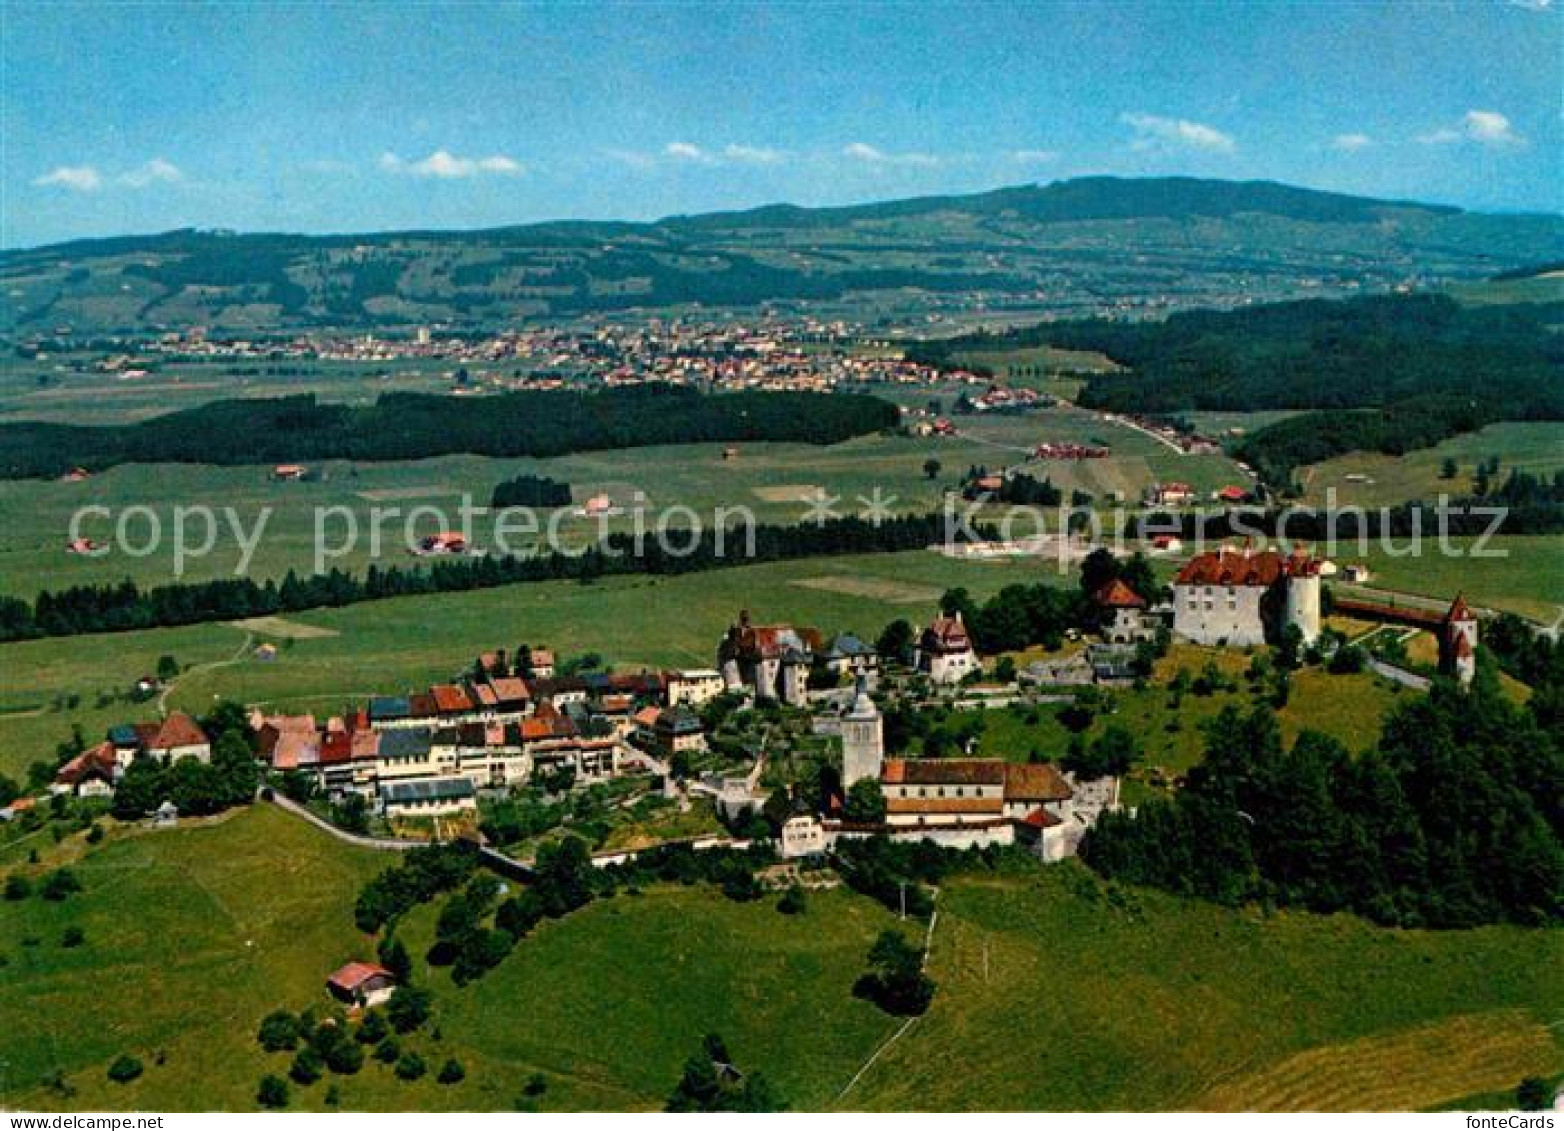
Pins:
x: 363, y: 984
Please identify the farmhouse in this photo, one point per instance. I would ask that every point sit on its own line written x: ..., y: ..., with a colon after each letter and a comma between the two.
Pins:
x: 363, y: 984
x: 92, y: 773
x: 1170, y: 495
x: 1241, y: 597
x: 944, y: 650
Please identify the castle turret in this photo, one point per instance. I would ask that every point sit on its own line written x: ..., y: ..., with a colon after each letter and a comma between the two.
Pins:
x: 1303, y: 594
x: 1458, y: 641
x: 863, y: 739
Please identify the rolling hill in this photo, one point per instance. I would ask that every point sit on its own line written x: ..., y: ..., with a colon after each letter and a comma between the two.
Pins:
x: 1078, y: 246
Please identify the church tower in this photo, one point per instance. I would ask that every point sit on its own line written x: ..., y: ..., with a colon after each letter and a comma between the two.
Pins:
x: 863, y: 739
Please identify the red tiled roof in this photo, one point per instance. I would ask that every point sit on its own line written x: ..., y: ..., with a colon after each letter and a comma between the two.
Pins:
x: 1117, y: 595
x: 484, y: 694
x: 366, y: 745
x: 943, y: 771
x: 336, y: 748
x: 98, y: 760
x: 179, y: 729
x: 355, y: 974
x: 1041, y: 819
x: 422, y: 705
x: 1459, y: 610
x: 1035, y: 782
x: 450, y: 699
x: 945, y: 634
x: 1242, y: 567
x: 511, y: 690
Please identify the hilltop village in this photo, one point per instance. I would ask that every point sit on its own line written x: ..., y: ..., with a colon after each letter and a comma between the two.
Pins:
x: 784, y: 738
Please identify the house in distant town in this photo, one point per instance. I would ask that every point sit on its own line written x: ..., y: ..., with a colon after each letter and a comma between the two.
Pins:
x: 290, y: 472
x: 445, y: 542
x: 363, y: 984
x: 944, y: 652
x: 1170, y: 495
x: 772, y: 660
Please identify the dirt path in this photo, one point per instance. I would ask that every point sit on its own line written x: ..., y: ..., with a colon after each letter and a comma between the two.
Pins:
x: 168, y: 689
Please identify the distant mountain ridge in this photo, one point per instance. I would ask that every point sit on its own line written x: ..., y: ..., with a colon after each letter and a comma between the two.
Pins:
x: 1074, y: 246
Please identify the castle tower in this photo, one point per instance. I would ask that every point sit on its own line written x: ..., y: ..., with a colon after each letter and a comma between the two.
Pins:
x: 1303, y: 594
x: 863, y: 739
x: 1458, y: 642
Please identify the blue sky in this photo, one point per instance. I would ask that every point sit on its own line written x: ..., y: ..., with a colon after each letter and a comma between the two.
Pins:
x: 315, y: 116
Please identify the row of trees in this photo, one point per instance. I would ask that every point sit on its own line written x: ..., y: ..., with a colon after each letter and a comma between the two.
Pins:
x: 1454, y: 820
x: 125, y: 606
x: 405, y: 426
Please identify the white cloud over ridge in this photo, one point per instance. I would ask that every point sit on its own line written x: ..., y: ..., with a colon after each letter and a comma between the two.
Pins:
x: 1480, y: 127
x: 88, y: 178
x: 77, y: 178
x: 445, y: 165
x: 1152, y: 131
x: 873, y: 155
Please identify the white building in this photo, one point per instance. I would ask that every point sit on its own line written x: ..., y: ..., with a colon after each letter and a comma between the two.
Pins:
x: 1240, y: 598
x: 945, y: 650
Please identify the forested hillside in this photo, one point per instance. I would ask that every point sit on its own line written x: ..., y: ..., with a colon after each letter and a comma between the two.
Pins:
x: 402, y: 426
x: 1074, y: 245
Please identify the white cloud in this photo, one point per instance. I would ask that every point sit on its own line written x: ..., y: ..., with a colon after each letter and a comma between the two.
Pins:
x: 1154, y: 132
x: 754, y: 154
x: 872, y: 155
x: 1034, y: 156
x: 442, y: 163
x: 1481, y: 127
x: 1351, y: 143
x: 153, y: 172
x: 687, y: 151
x: 77, y: 178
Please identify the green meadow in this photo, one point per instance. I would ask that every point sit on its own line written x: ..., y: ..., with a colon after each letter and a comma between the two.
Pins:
x: 193, y: 935
x: 1062, y: 993
x: 1056, y: 992
x: 327, y: 659
x: 771, y: 481
x: 1536, y: 448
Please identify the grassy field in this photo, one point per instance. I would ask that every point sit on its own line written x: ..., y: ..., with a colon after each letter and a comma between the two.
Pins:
x: 1527, y: 577
x: 1064, y: 995
x: 194, y: 935
x: 1349, y: 708
x: 391, y: 646
x: 1054, y: 993
x: 770, y: 480
x: 1537, y: 448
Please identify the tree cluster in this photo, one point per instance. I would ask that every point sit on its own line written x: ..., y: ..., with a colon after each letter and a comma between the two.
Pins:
x: 1454, y: 819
